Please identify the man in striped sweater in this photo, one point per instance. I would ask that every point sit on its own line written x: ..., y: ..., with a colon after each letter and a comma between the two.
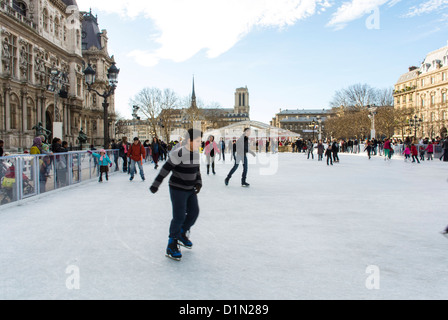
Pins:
x: 185, y: 183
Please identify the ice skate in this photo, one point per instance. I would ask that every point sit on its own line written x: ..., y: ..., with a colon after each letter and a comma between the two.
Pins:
x: 445, y: 232
x: 173, y: 251
x: 184, y: 241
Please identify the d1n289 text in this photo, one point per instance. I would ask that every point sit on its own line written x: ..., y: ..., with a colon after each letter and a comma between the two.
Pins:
x: 247, y: 309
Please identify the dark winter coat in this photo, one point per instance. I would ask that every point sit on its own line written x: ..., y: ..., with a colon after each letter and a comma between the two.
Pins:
x: 156, y: 147
x: 320, y: 149
x: 242, y: 148
x: 124, y: 148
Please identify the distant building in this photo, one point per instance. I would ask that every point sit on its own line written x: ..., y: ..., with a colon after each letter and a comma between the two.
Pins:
x: 211, y: 118
x: 301, y: 121
x: 134, y: 128
x: 424, y: 89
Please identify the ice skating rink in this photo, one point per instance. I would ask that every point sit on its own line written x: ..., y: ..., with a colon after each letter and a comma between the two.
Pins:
x: 303, y: 230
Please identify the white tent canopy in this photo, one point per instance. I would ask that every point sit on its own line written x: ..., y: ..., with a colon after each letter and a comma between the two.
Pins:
x: 259, y: 130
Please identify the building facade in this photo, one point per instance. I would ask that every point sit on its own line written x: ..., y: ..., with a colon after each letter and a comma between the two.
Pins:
x: 43, y: 54
x: 423, y: 90
x: 135, y: 128
x: 306, y: 122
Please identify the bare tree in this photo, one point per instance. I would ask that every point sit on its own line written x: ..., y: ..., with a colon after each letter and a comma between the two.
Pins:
x: 149, y: 103
x: 384, y: 97
x: 167, y: 116
x: 356, y: 97
x: 401, y: 117
x: 385, y: 121
x: 158, y: 107
x: 352, y: 121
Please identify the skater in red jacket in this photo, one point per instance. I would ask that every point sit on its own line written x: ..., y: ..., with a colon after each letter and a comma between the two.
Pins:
x: 414, y: 153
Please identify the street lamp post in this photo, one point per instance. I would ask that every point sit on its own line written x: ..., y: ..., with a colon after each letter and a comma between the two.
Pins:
x: 112, y: 75
x: 135, y: 118
x: 319, y: 121
x: 415, y: 123
x: 58, y: 85
x: 313, y: 125
x: 373, y: 111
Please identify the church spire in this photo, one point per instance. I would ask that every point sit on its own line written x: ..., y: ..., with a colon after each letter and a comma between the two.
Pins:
x: 193, y: 97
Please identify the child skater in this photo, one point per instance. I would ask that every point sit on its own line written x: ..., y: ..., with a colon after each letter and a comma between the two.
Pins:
x: 104, y: 163
x: 185, y: 183
x: 414, y: 153
x: 407, y: 153
x: 422, y: 152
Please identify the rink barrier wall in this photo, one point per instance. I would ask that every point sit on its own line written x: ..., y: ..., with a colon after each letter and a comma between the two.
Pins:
x: 25, y: 176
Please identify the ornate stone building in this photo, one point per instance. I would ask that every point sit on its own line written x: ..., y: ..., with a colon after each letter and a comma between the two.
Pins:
x: 45, y: 46
x: 424, y: 91
x: 301, y: 121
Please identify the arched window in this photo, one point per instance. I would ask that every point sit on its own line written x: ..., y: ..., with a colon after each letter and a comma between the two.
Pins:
x: 56, y: 27
x: 45, y: 19
x: 20, y: 7
x: 29, y: 113
x: 13, y: 106
x: 78, y: 38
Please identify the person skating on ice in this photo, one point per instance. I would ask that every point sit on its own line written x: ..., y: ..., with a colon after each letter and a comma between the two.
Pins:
x: 184, y: 185
x: 156, y: 151
x: 369, y: 149
x: 104, y: 162
x: 210, y: 150
x: 414, y: 153
x: 310, y: 148
x: 136, y: 154
x: 242, y: 148
x: 329, y: 154
x: 320, y: 151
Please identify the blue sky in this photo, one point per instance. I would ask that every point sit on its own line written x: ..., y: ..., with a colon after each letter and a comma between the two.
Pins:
x: 289, y: 53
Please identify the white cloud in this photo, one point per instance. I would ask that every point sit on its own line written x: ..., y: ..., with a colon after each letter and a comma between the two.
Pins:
x: 186, y: 27
x: 356, y: 9
x: 427, y: 7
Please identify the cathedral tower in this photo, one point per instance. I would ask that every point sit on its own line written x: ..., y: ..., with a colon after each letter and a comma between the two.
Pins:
x: 242, y: 101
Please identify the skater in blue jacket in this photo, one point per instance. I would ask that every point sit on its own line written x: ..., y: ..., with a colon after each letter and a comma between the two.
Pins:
x: 104, y: 162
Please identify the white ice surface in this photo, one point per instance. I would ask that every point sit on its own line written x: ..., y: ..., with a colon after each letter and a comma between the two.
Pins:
x: 303, y: 231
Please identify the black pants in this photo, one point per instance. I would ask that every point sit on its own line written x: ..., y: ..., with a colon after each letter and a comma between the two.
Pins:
x: 415, y: 158
x: 104, y: 169
x: 185, y: 211
x: 335, y: 157
x: 329, y: 160
x: 235, y: 167
x: 125, y: 163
